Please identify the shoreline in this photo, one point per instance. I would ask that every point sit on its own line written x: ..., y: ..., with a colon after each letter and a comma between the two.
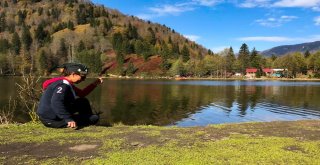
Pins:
x: 183, y: 78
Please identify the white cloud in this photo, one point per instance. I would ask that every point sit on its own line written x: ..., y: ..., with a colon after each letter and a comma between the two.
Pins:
x: 275, y: 22
x: 313, y: 4
x: 316, y: 8
x: 219, y: 48
x: 178, y: 8
x: 317, y: 21
x: 297, y: 3
x: 280, y: 39
x: 146, y: 16
x: 255, y: 3
x: 170, y: 10
x: 267, y: 39
x: 192, y: 37
x: 207, y: 2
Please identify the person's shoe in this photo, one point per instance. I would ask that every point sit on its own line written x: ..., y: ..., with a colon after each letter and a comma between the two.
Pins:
x: 94, y: 119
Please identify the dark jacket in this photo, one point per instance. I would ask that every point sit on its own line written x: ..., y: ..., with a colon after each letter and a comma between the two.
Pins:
x: 56, y: 101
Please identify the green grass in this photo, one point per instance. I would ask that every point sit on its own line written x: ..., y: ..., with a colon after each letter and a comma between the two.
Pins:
x: 236, y: 150
x: 248, y: 143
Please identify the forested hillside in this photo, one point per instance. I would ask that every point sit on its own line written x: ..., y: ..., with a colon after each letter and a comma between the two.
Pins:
x: 37, y: 35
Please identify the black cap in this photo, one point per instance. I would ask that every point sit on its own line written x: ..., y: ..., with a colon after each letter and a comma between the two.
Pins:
x: 76, y: 68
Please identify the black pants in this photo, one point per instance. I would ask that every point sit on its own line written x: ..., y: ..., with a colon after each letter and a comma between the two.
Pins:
x: 81, y: 114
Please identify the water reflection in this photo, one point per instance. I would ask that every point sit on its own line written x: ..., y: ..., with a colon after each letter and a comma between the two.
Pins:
x: 193, y: 103
x: 190, y: 103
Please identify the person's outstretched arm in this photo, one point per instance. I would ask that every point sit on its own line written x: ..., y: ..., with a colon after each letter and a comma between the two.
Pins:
x: 85, y: 91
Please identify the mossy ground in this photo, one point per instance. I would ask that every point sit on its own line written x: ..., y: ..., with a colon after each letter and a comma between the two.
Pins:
x: 296, y: 142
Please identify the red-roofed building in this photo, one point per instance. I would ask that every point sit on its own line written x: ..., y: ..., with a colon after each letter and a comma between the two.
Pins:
x: 251, y: 72
x: 267, y: 71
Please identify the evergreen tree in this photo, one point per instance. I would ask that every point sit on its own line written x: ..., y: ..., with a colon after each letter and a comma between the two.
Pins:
x: 62, y: 53
x: 3, y: 23
x: 21, y: 16
x: 244, y: 57
x: 16, y: 43
x: 131, y: 69
x: 273, y: 57
x: 81, y: 15
x: 91, y: 59
x: 40, y: 34
x: 165, y: 65
x: 185, y: 54
x: 230, y: 60
x: 307, y: 54
x: 254, y: 59
x: 147, y: 50
x: 107, y: 24
x: 175, y: 50
x: 43, y: 63
x: 151, y: 38
x: 81, y: 46
x: 70, y: 25
x: 138, y: 47
x: 26, y: 38
x: 117, y: 40
x: 4, y: 45
x: 169, y: 40
x: 165, y: 51
x: 132, y: 32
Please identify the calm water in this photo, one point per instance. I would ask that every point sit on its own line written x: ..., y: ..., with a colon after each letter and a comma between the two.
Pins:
x: 197, y: 103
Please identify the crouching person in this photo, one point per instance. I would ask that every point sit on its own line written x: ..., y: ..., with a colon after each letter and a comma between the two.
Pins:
x: 62, y: 104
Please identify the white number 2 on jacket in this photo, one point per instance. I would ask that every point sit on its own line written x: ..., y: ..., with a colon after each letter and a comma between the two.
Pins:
x: 59, y: 90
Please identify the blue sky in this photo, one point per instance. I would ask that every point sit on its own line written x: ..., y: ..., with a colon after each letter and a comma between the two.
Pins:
x: 217, y: 24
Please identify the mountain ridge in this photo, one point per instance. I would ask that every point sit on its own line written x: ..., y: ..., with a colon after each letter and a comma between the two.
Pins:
x: 286, y: 49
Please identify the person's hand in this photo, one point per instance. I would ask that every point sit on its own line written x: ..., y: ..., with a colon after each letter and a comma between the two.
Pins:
x: 98, y: 81
x: 72, y: 124
x: 101, y: 80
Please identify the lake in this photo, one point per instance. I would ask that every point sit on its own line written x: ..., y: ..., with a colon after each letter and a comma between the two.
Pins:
x: 196, y: 102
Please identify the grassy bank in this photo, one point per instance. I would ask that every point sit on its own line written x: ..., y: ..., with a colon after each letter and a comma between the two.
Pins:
x: 295, y: 142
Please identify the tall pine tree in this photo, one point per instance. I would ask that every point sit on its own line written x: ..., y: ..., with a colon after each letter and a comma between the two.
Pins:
x: 230, y: 60
x: 16, y: 43
x: 244, y: 57
x: 26, y: 38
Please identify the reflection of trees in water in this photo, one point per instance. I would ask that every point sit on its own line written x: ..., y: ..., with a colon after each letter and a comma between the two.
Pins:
x: 172, y: 103
x: 161, y: 104
x: 242, y: 100
x: 248, y: 97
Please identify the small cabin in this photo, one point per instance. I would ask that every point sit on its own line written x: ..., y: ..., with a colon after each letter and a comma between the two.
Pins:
x: 251, y: 72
